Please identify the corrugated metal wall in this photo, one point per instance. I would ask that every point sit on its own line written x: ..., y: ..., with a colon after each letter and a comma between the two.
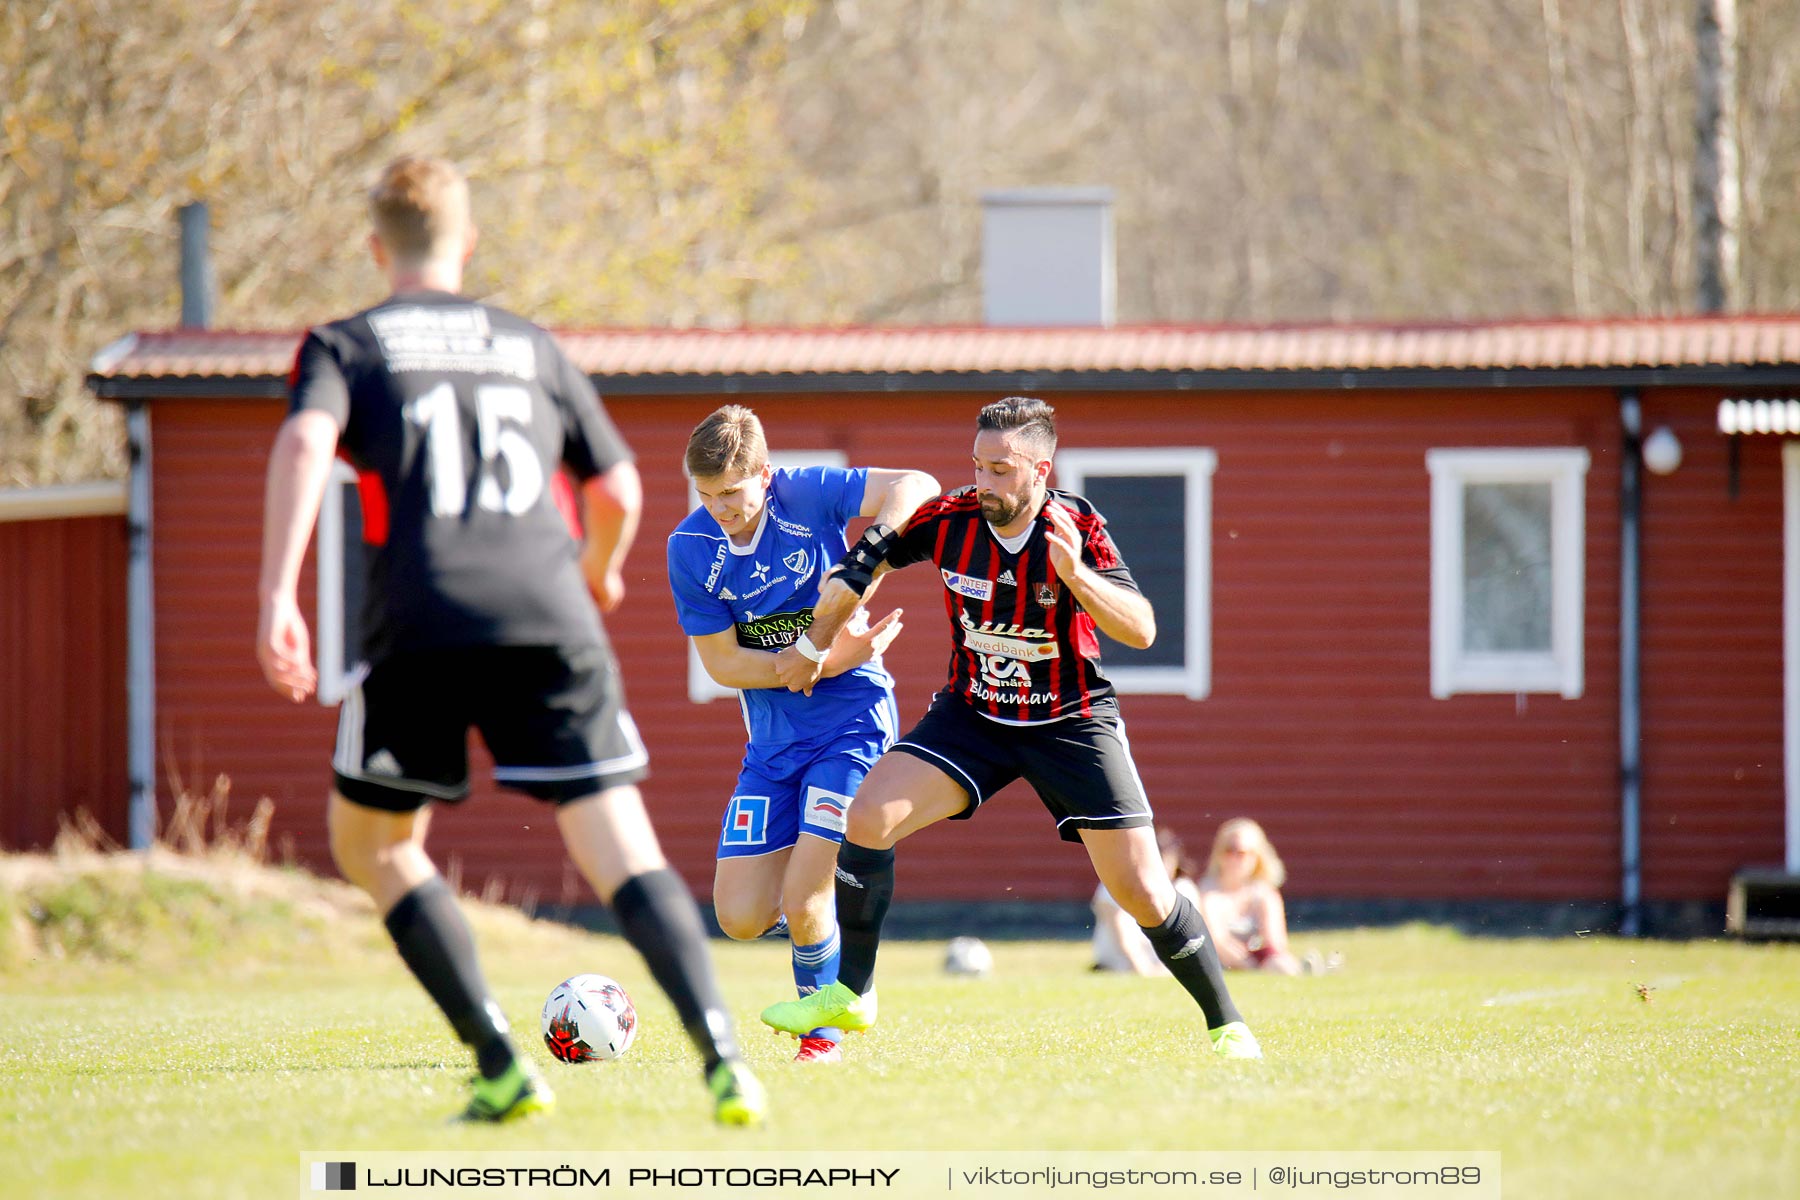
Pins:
x: 62, y: 676
x: 1320, y: 722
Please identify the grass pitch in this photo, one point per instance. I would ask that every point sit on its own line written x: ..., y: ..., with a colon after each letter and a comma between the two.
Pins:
x: 186, y: 1031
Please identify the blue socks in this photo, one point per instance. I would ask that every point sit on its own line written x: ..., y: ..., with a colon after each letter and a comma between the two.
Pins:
x: 816, y: 966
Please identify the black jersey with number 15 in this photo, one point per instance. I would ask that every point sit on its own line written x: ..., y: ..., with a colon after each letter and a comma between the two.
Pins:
x: 1024, y: 651
x: 459, y: 417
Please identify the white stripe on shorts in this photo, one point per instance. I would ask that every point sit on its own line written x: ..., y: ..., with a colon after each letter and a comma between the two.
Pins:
x: 968, y: 784
x: 637, y: 756
x: 348, y: 759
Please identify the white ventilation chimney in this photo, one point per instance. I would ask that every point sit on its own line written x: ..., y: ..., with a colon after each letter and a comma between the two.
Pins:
x: 1047, y: 256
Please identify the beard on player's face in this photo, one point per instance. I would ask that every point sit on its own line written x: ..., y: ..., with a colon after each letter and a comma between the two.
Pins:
x: 1009, y: 478
x: 996, y: 511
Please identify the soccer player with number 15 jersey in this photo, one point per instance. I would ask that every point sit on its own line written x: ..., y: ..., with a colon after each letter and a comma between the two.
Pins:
x: 484, y: 611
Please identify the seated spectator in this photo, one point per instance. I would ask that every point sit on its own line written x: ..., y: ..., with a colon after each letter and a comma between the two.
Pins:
x: 1119, y: 941
x: 1240, y: 897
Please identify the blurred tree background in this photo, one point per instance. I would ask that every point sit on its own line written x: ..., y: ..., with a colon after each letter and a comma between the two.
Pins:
x: 729, y: 162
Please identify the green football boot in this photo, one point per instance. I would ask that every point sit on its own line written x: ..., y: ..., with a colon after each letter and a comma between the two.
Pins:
x: 832, y: 1006
x: 738, y: 1099
x: 1234, y: 1041
x: 516, y: 1093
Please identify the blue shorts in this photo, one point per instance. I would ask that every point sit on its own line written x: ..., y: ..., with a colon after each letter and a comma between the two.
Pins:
x: 780, y: 797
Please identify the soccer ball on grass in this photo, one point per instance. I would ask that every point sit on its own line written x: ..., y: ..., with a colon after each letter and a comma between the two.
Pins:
x: 968, y: 956
x: 589, y: 1018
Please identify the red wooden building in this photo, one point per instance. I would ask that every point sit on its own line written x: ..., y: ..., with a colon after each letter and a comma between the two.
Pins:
x: 62, y: 660
x: 1422, y: 613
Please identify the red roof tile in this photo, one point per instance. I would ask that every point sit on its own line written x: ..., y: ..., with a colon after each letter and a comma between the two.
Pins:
x: 1501, y: 345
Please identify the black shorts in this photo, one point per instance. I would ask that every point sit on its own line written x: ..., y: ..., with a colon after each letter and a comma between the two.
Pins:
x: 553, y: 718
x: 1080, y: 766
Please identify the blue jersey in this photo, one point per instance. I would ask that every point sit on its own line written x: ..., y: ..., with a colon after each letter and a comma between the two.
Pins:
x: 766, y: 591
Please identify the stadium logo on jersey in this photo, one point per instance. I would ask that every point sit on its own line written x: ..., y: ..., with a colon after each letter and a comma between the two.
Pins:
x: 799, y: 562
x: 968, y: 585
x: 1046, y: 594
x: 1006, y: 577
x: 826, y: 810
x: 718, y: 564
x: 746, y: 821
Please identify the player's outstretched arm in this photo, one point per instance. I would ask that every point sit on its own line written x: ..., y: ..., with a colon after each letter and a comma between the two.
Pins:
x: 612, y: 503
x: 802, y: 666
x: 735, y: 666
x: 732, y: 665
x: 856, y: 647
x: 299, y: 467
x: 891, y: 497
x: 1121, y: 613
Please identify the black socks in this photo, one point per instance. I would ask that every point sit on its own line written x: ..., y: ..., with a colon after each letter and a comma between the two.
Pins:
x: 865, y: 888
x: 1185, y: 947
x: 433, y: 939
x: 659, y: 918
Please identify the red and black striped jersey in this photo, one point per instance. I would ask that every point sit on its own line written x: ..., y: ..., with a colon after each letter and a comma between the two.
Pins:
x: 1024, y: 651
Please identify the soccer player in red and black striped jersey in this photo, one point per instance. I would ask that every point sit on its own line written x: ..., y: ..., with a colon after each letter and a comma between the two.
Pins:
x: 482, y: 613
x: 1030, y: 580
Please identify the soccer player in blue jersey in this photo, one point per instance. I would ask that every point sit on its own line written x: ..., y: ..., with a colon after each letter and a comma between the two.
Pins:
x: 745, y: 569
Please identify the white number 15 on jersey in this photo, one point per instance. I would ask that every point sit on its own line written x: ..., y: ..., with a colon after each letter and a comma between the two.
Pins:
x: 502, y: 411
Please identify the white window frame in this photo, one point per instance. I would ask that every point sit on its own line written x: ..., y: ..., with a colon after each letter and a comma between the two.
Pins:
x: 1455, y: 671
x: 702, y: 688
x: 1197, y: 464
x: 337, y: 662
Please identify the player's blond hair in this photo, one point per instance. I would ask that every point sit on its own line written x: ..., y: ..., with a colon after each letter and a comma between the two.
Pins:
x: 729, y: 442
x: 1269, y: 867
x: 420, y: 209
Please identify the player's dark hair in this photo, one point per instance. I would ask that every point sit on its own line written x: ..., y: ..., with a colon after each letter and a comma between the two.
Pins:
x: 1033, y: 420
x: 729, y: 442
